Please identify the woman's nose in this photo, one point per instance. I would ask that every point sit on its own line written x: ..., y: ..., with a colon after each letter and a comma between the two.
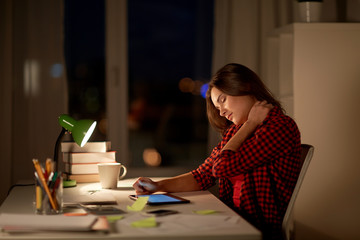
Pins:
x: 222, y: 112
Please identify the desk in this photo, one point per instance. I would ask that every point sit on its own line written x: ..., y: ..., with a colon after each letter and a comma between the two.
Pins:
x: 21, y: 200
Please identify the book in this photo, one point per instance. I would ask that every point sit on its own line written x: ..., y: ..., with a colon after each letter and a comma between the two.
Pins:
x: 89, y: 157
x: 82, y: 178
x: 82, y: 168
x: 103, y: 146
x: 80, y: 163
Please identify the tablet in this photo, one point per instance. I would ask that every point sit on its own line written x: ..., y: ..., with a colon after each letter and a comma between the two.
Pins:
x: 159, y: 199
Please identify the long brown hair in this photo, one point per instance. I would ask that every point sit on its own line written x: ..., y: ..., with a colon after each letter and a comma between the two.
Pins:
x: 235, y: 80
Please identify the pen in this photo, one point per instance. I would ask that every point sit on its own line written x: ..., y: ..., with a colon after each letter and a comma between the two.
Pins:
x: 49, y: 178
x: 55, y: 185
x: 75, y: 214
x: 53, y: 180
x: 43, y: 182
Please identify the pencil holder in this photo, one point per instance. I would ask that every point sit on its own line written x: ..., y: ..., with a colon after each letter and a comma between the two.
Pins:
x: 49, y: 196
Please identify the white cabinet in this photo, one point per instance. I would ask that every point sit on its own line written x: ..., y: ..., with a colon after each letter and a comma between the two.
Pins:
x: 315, y: 71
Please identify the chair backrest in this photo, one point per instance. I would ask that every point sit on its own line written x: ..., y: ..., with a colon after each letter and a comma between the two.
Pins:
x: 288, y: 224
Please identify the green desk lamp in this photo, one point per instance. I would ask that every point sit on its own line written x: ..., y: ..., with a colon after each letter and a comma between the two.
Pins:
x: 80, y: 130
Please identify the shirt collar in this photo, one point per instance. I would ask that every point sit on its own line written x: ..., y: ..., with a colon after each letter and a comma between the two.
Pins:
x: 273, y: 112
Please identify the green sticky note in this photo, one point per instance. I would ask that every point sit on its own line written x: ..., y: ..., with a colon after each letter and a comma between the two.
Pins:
x: 145, y: 223
x: 114, y: 218
x: 205, y: 212
x: 139, y: 204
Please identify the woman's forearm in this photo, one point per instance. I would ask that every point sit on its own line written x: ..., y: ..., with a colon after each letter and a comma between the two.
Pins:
x: 257, y: 115
x: 182, y: 183
x: 240, y: 136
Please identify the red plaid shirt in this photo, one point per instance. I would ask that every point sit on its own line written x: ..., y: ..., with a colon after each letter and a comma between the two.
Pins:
x: 268, y: 160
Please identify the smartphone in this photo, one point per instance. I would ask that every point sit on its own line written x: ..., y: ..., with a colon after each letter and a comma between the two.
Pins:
x: 161, y: 212
x: 159, y: 199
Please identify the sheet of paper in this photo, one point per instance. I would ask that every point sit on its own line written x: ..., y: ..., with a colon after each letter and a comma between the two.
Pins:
x: 204, y: 222
x: 90, y: 193
x: 139, y: 204
x: 180, y: 223
x: 23, y: 222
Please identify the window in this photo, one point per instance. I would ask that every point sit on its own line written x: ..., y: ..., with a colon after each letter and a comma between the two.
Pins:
x: 170, y: 46
x: 84, y: 30
x: 169, y: 59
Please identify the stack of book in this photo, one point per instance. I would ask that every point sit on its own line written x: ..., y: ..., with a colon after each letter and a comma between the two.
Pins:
x: 80, y: 163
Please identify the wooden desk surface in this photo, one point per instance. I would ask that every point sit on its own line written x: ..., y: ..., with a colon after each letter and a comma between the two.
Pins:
x: 21, y: 201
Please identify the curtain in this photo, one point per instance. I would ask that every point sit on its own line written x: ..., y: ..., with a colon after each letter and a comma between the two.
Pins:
x: 33, y: 85
x: 242, y: 26
x: 5, y: 95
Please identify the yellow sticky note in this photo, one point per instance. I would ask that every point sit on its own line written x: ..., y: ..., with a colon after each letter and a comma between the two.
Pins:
x: 114, y: 218
x: 145, y: 223
x: 205, y: 212
x: 139, y: 204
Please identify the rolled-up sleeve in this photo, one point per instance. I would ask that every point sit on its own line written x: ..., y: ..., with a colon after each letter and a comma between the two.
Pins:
x: 269, y: 142
x: 203, y: 174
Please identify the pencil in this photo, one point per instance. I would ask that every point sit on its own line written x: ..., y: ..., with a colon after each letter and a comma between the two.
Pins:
x: 48, y: 166
x: 38, y: 197
x: 43, y: 182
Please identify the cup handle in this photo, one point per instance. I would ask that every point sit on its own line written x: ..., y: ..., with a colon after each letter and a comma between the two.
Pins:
x: 124, y: 172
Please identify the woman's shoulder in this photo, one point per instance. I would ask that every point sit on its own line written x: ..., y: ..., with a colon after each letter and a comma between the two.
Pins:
x: 277, y: 116
x: 229, y: 132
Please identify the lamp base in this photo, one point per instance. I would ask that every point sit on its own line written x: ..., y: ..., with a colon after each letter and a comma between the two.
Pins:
x: 69, y: 183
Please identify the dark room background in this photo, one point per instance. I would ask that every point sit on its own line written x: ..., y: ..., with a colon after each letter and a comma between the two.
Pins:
x: 169, y: 59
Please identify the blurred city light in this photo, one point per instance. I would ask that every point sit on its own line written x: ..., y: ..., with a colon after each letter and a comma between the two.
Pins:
x: 152, y: 157
x: 197, y: 87
x: 56, y: 70
x: 186, y: 85
x: 204, y: 89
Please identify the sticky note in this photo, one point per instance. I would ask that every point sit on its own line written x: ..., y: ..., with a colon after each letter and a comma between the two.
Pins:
x: 145, y: 223
x: 114, y: 218
x: 139, y: 204
x: 205, y: 212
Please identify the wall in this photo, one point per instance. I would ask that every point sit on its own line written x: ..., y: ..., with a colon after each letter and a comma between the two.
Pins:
x: 326, y: 108
x: 315, y: 71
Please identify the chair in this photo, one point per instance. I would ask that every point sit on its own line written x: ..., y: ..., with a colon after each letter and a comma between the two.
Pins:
x: 288, y: 223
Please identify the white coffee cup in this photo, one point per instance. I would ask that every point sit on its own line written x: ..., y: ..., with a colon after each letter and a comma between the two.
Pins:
x: 109, y: 174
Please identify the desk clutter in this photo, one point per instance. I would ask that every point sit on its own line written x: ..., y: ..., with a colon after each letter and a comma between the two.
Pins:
x: 80, y: 163
x: 48, y: 188
x: 136, y: 217
x: 154, y: 222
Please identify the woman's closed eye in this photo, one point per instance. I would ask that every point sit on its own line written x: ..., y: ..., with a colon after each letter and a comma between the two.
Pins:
x: 222, y: 99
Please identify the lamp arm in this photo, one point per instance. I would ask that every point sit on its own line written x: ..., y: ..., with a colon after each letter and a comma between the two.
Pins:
x: 56, y: 151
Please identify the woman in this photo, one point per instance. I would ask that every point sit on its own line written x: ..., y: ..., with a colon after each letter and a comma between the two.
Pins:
x: 257, y: 161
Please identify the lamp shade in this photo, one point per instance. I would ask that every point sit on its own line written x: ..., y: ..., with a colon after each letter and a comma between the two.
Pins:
x: 80, y: 130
